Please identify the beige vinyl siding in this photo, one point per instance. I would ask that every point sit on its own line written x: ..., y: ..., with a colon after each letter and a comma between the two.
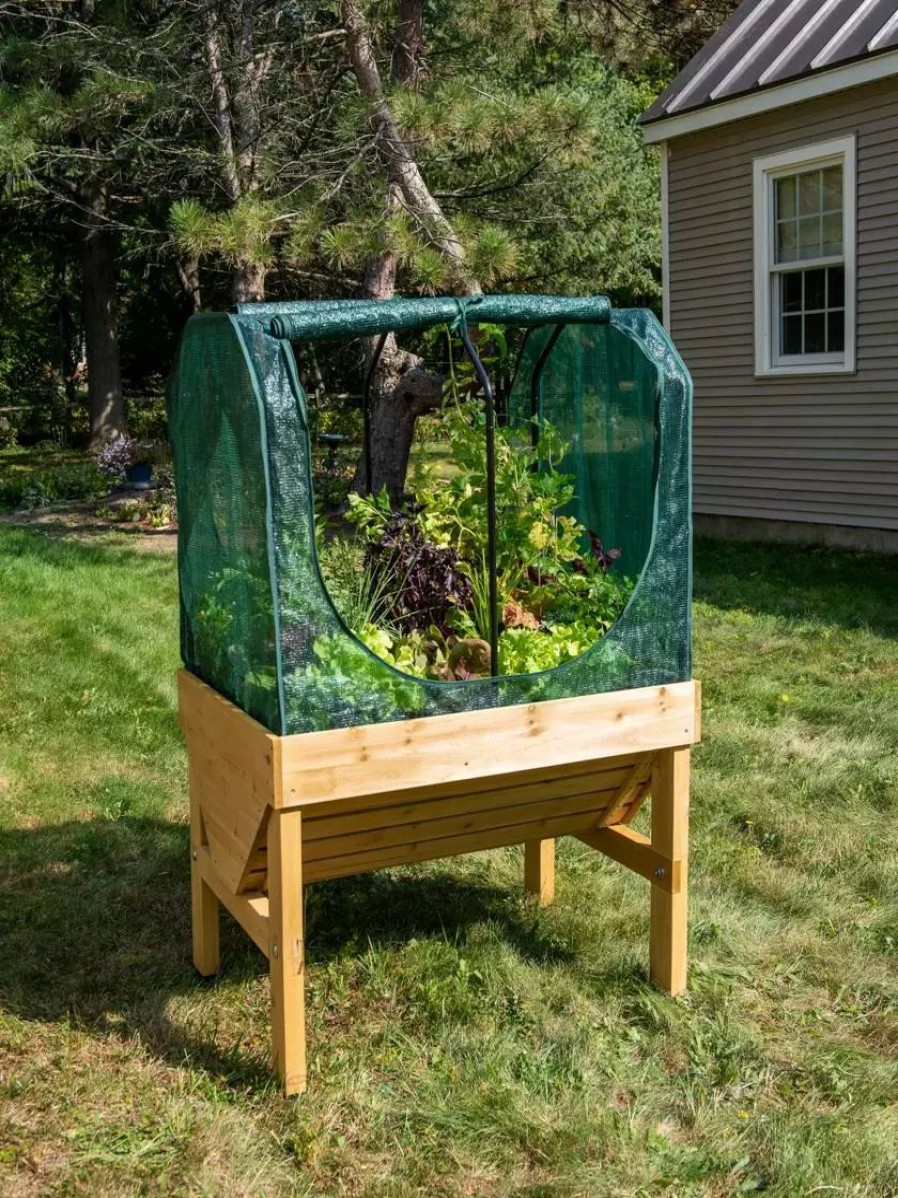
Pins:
x: 817, y: 448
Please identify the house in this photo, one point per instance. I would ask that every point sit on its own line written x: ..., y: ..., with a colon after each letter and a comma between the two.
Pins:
x: 779, y: 148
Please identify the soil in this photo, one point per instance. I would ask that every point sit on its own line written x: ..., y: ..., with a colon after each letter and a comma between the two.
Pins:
x: 80, y: 522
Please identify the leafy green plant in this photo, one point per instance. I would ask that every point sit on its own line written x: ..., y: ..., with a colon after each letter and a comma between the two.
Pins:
x: 233, y: 621
x: 345, y: 673
x: 362, y: 595
x: 66, y: 481
x: 532, y: 531
x: 525, y: 651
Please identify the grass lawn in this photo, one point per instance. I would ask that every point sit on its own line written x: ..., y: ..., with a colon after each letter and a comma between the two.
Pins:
x: 462, y: 1042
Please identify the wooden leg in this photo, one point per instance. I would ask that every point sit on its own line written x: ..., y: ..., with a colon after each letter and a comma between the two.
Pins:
x: 204, y: 904
x: 287, y: 949
x: 670, y: 838
x: 539, y: 870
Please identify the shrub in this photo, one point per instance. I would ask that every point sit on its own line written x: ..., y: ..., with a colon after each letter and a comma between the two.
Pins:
x: 116, y: 456
x: 68, y: 481
x: 147, y: 418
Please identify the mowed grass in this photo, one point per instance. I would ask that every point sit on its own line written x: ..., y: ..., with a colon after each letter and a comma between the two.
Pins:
x: 462, y: 1042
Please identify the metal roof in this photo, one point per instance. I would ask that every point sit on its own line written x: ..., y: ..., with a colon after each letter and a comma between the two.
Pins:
x: 766, y: 42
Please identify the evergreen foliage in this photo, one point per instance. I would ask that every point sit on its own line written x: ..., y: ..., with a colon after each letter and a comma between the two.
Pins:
x: 227, y: 149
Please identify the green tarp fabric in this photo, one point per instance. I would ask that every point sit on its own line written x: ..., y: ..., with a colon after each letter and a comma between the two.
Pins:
x: 257, y: 621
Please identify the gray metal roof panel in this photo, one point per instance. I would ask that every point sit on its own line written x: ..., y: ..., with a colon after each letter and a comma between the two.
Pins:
x: 766, y: 42
x: 798, y: 58
x: 887, y: 38
x: 853, y: 39
x: 796, y: 55
x: 766, y: 49
x: 659, y: 108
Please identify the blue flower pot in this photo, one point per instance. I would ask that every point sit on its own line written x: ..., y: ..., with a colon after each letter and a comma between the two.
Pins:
x: 140, y: 476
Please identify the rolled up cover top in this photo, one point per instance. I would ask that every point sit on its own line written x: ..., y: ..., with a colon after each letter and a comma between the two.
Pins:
x: 311, y: 320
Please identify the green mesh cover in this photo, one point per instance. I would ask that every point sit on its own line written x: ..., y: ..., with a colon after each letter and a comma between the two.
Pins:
x: 257, y: 621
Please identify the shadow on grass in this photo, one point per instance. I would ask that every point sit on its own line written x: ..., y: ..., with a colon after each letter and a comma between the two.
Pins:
x: 60, y: 546
x: 851, y: 590
x: 387, y: 907
x: 77, y: 523
x: 95, y: 930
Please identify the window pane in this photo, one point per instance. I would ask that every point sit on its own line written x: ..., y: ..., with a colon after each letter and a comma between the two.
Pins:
x: 785, y: 197
x: 809, y: 193
x: 791, y: 335
x: 836, y: 332
x: 787, y: 241
x: 832, y: 234
x: 809, y: 237
x: 832, y: 189
x: 808, y: 224
x: 835, y: 281
x: 790, y: 296
x: 814, y: 289
x: 815, y: 333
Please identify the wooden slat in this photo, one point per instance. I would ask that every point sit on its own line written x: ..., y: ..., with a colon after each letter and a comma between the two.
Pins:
x: 380, y: 758
x: 478, y: 817
x: 465, y: 787
x: 388, y: 812
x: 430, y: 850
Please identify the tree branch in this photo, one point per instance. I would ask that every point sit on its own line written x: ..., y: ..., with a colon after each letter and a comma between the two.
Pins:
x: 221, y: 100
x: 396, y: 155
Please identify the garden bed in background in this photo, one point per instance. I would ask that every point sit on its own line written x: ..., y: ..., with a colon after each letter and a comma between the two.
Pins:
x: 64, y: 493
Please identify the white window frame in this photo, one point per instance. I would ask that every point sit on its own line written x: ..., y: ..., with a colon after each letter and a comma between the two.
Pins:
x: 842, y: 152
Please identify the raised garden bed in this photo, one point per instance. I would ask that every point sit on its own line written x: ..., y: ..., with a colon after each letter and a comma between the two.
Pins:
x: 508, y: 676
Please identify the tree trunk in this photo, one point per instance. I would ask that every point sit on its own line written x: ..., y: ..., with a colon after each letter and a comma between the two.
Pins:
x: 188, y: 267
x: 406, y: 391
x: 395, y: 153
x: 237, y: 72
x: 408, y: 44
x: 248, y: 283
x: 402, y: 389
x: 100, y: 313
x: 67, y: 333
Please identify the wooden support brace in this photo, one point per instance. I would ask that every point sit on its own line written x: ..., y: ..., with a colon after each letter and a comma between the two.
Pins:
x: 629, y: 798
x: 637, y: 852
x: 287, y: 949
x: 250, y: 909
x: 663, y: 860
x: 539, y: 870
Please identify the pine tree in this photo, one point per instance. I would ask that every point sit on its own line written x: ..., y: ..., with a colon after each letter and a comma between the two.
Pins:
x: 77, y: 127
x: 504, y: 155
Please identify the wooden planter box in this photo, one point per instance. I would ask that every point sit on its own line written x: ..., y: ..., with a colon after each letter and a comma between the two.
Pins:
x: 270, y: 814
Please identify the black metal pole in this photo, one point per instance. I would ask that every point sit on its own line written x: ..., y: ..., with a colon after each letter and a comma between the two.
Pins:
x: 490, y: 410
x: 366, y: 401
x: 536, y: 382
